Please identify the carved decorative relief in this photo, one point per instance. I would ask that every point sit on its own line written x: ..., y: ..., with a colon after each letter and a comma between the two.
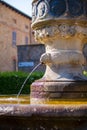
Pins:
x: 82, y: 32
x: 61, y: 30
x: 34, y: 12
x: 39, y: 9
x: 50, y: 33
x: 42, y: 9
x: 67, y: 30
x: 58, y: 9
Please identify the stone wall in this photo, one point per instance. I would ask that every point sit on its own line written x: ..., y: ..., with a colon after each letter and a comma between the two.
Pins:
x: 29, y: 57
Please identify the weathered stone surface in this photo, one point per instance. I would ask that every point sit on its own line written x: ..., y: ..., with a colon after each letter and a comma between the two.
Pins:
x: 24, y: 117
x: 45, y: 110
x: 53, y: 90
x: 62, y: 27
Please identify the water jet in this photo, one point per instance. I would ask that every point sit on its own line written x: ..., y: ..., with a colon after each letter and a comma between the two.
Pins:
x: 58, y: 101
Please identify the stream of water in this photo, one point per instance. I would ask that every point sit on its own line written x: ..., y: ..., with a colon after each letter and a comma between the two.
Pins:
x: 27, y: 79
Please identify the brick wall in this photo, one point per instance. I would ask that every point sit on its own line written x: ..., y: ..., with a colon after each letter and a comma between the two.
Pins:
x: 10, y: 21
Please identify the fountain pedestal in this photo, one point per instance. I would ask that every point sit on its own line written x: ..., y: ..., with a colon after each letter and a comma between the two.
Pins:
x: 62, y: 27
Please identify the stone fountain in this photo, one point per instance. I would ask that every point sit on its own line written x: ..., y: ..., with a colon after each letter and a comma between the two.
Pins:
x: 58, y: 101
x: 62, y: 26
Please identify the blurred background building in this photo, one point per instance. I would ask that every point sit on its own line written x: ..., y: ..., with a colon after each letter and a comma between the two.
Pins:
x: 15, y: 30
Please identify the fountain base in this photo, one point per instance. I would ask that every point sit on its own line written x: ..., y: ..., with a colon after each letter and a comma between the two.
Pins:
x: 43, y: 92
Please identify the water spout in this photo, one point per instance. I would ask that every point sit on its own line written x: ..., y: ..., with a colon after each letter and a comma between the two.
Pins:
x: 27, y: 79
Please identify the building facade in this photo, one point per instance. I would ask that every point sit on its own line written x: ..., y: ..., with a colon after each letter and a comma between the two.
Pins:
x: 15, y: 29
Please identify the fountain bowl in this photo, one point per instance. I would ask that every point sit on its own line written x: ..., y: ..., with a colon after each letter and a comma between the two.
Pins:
x: 54, y: 115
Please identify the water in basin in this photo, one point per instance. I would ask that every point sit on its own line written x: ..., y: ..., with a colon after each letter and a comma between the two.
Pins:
x: 12, y: 99
x: 25, y: 100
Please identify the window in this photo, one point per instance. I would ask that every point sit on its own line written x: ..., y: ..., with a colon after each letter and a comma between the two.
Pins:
x: 14, y: 38
x: 26, y: 40
x: 26, y: 26
x: 15, y: 21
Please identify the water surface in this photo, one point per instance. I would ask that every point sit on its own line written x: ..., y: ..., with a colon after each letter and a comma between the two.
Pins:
x: 25, y: 99
x: 12, y: 99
